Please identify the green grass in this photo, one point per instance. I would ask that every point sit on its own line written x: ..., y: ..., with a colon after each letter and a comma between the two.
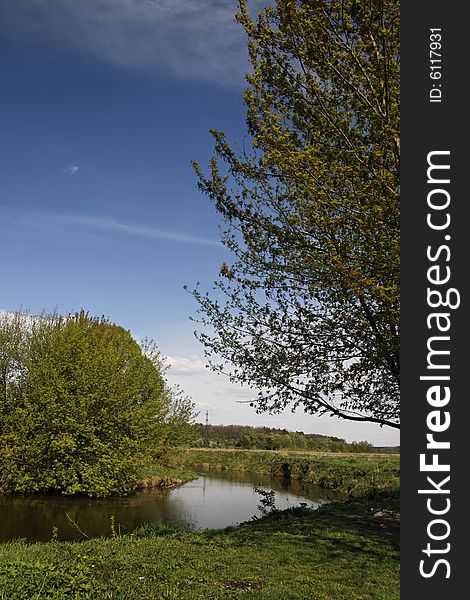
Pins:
x: 340, y: 552
x: 165, y: 476
x: 356, y: 475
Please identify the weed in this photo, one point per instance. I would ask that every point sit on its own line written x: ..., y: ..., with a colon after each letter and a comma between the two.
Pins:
x: 267, y: 502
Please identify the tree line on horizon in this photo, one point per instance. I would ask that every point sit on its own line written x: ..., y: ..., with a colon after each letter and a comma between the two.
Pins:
x: 268, y: 438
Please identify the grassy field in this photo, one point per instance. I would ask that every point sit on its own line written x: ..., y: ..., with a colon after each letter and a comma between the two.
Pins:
x: 340, y: 552
x: 354, y: 474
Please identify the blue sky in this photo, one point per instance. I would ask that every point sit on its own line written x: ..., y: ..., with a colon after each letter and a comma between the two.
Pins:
x: 103, y: 103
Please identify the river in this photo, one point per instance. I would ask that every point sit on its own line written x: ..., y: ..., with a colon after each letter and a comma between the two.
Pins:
x: 213, y: 500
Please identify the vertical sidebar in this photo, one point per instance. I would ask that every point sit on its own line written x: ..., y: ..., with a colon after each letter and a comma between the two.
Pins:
x: 435, y: 416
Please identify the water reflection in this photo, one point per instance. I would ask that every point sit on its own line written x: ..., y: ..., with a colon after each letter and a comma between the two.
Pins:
x: 211, y: 501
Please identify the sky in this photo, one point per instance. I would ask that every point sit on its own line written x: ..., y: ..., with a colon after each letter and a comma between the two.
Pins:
x: 103, y: 104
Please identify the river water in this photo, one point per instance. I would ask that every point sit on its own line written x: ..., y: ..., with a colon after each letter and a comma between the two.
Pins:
x: 213, y: 500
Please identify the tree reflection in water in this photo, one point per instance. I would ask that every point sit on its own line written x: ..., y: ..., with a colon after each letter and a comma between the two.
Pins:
x: 211, y: 501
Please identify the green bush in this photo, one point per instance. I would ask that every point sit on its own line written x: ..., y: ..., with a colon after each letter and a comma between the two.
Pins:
x: 83, y: 405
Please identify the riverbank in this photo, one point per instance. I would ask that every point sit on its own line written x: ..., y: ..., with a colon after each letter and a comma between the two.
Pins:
x: 163, y: 477
x: 354, y: 474
x: 343, y: 551
x: 153, y: 476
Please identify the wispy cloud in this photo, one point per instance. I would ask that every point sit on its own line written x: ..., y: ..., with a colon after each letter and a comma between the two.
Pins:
x: 70, y: 221
x: 195, y: 39
x: 71, y: 169
x: 181, y: 365
x: 208, y: 389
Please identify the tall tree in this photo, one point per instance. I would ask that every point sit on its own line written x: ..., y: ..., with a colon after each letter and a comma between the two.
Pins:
x: 308, y: 311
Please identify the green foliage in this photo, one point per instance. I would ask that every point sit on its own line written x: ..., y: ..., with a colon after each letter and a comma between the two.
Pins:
x: 83, y: 406
x: 311, y: 214
x: 267, y: 500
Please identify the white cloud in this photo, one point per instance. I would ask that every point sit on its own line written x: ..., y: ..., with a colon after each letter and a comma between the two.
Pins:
x: 221, y: 388
x: 20, y: 313
x: 181, y: 365
x: 237, y: 392
x: 195, y: 39
x: 38, y: 218
x: 71, y: 169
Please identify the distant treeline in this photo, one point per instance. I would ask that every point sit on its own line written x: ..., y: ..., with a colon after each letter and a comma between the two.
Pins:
x: 266, y: 438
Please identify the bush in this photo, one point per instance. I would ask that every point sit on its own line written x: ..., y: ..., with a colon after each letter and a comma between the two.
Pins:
x: 83, y: 406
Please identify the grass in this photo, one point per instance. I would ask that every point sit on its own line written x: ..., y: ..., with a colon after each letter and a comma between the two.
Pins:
x: 356, y: 475
x: 157, y: 475
x: 340, y: 552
